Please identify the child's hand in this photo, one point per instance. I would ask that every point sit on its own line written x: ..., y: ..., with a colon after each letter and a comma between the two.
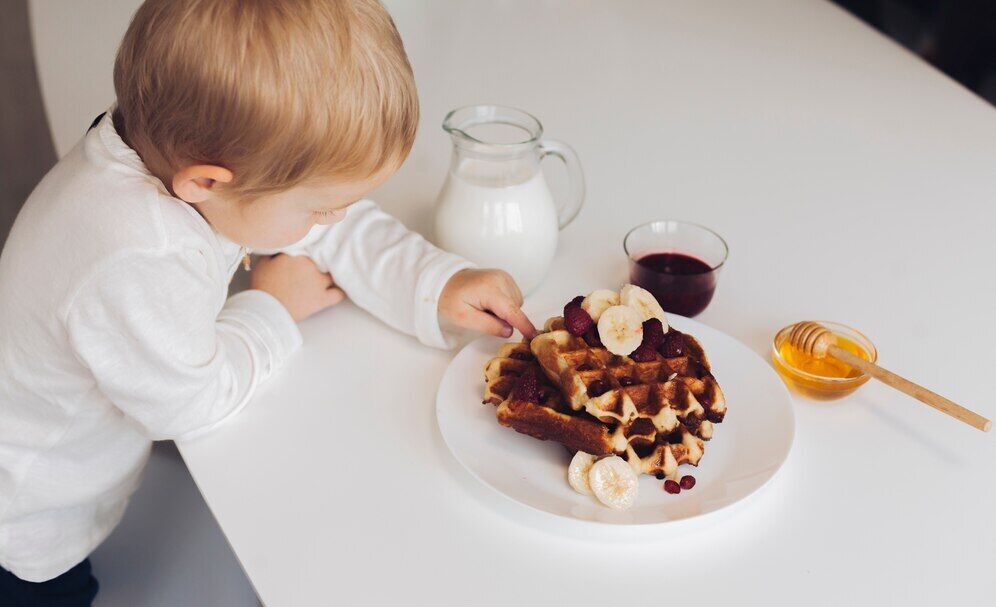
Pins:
x: 485, y: 300
x: 297, y: 283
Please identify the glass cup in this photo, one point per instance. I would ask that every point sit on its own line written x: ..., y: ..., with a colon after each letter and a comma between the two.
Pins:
x: 677, y: 261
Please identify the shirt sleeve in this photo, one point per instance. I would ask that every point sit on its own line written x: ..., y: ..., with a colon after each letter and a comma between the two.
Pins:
x: 168, y: 350
x: 385, y: 268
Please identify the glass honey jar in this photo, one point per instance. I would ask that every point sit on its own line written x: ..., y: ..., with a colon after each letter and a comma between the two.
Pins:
x: 822, y: 378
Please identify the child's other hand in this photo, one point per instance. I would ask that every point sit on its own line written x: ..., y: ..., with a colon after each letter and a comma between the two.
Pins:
x: 297, y: 283
x: 485, y: 300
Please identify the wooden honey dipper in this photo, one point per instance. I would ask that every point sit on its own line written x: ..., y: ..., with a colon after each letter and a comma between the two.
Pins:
x: 817, y: 341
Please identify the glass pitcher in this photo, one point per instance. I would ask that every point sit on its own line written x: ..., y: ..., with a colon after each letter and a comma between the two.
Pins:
x: 495, y: 208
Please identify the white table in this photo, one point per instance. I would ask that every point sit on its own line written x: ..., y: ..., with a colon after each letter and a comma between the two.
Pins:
x: 852, y: 181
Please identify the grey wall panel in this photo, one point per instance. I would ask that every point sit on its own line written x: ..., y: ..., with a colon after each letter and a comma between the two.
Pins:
x: 26, y: 149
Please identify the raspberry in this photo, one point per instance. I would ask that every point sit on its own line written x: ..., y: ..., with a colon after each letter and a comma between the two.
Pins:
x: 643, y: 354
x: 687, y: 482
x: 592, y: 338
x: 577, y: 321
x: 653, y: 333
x: 673, y: 345
x: 671, y: 486
x: 527, y: 388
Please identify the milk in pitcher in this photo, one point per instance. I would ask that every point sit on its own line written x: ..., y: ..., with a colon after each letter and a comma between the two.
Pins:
x: 499, y: 214
x: 495, y: 208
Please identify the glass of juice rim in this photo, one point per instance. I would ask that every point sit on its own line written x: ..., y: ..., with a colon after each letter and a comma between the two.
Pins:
x: 677, y: 261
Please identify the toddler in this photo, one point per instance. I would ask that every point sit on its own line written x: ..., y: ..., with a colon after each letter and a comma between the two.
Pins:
x: 240, y: 126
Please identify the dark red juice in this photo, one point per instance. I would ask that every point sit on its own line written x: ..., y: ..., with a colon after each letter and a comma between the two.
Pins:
x: 681, y: 283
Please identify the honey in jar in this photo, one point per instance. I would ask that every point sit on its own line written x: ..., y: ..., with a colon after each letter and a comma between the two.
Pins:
x: 822, y: 378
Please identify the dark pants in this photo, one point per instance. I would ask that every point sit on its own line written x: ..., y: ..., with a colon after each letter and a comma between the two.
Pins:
x: 74, y: 588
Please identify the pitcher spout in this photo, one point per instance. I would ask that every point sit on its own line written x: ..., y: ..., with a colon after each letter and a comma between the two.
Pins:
x: 493, y: 130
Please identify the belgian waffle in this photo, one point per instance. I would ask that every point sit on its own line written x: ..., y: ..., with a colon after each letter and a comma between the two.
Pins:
x: 655, y: 414
x: 550, y: 419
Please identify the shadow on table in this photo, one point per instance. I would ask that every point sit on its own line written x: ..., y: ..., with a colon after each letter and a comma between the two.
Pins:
x: 899, y: 422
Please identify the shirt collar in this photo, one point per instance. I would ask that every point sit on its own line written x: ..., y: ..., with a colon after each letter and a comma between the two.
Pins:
x: 117, y: 149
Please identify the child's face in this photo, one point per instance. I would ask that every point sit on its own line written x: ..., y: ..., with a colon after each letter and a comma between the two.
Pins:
x: 281, y: 219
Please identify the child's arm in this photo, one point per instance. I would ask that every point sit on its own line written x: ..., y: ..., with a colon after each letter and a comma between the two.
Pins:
x: 399, y: 277
x: 168, y: 350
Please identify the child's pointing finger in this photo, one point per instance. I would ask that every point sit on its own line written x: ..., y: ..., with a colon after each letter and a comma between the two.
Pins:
x: 482, y: 322
x: 485, y: 300
x: 505, y: 309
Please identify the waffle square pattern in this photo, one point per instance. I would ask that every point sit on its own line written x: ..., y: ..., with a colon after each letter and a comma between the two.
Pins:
x: 656, y: 414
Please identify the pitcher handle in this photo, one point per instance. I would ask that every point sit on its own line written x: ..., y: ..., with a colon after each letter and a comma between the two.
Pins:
x: 569, y: 210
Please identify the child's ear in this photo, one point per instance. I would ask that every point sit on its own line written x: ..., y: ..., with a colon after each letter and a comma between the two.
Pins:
x: 193, y: 184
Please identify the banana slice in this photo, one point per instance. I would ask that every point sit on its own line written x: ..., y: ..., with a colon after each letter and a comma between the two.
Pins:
x: 643, y: 302
x: 599, y: 301
x: 614, y: 482
x: 577, y: 472
x: 620, y: 329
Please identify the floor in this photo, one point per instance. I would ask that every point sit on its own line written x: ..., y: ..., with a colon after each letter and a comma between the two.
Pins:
x: 168, y: 550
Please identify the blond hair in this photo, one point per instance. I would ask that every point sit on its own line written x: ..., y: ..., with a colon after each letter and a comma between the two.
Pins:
x: 281, y: 92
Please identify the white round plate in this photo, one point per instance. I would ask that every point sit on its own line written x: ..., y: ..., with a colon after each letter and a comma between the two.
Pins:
x: 746, y: 450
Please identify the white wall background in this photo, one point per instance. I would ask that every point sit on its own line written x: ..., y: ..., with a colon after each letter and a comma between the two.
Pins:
x: 75, y: 43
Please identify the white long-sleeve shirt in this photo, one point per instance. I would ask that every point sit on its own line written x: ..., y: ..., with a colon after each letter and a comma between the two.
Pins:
x: 116, y: 330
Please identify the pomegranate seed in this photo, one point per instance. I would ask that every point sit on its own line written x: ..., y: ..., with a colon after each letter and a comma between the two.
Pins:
x: 687, y: 481
x: 671, y: 486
